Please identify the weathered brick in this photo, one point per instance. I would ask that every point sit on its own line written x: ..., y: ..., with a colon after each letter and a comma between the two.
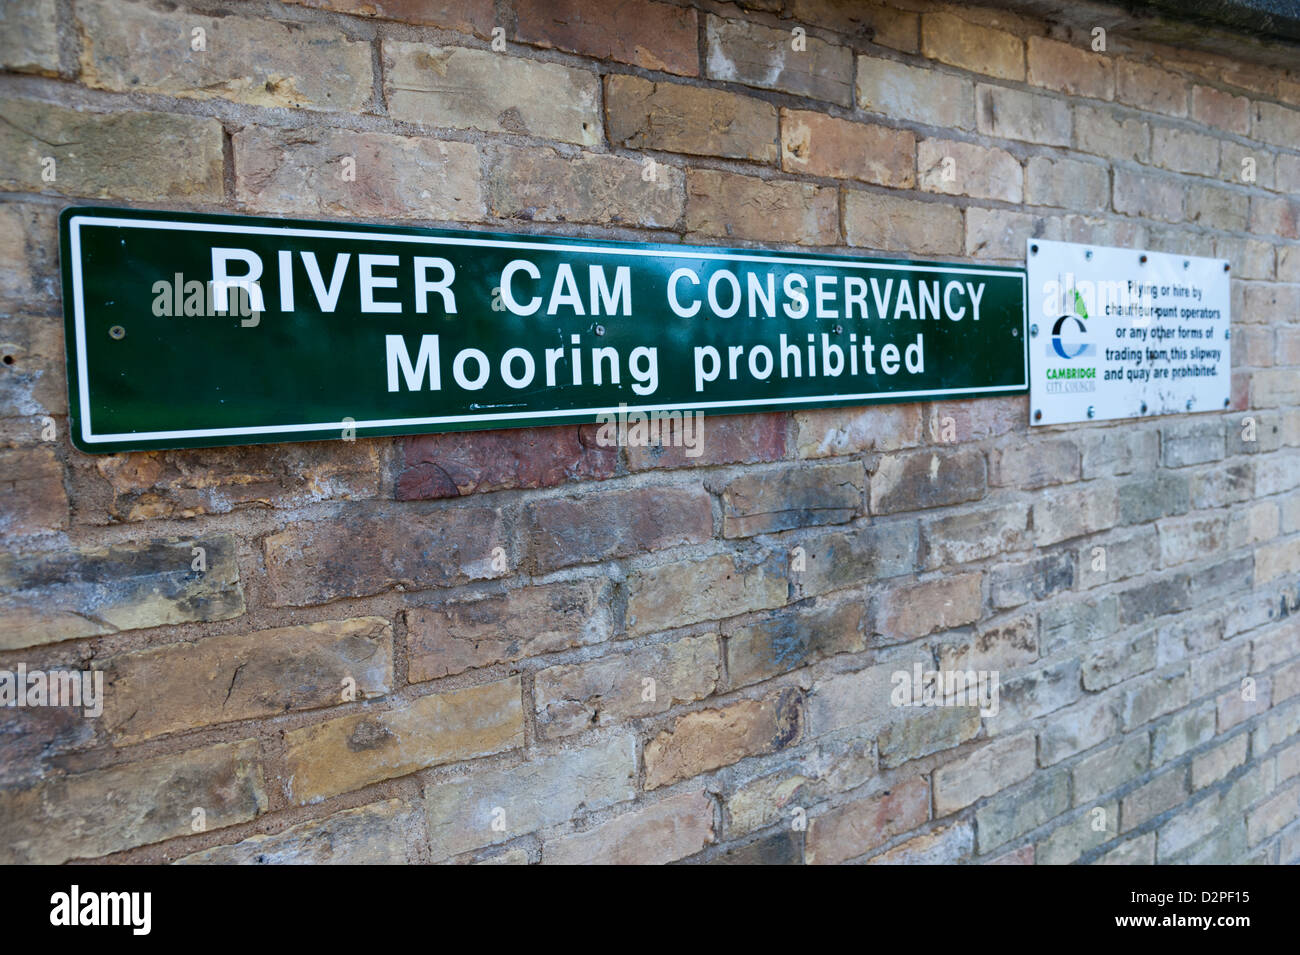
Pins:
x: 860, y: 699
x: 1288, y: 173
x: 1181, y: 734
x: 988, y: 770
x: 914, y: 93
x: 1034, y: 465
x: 1217, y: 208
x: 922, y: 479
x: 1142, y: 194
x: 1067, y: 68
x: 375, y: 834
x: 893, y: 224
x: 1117, y: 556
x: 1153, y: 696
x: 243, y: 676
x: 1104, y: 132
x: 32, y: 496
x: 738, y: 51
x: 1150, y: 88
x: 372, y: 745
x: 1016, y: 114
x: 913, y: 610
x: 90, y: 814
x: 29, y: 42
x: 803, y: 778
x: 1034, y: 693
x: 1240, y: 703
x: 1257, y: 523
x: 364, y: 554
x: 1184, y: 151
x: 1274, y: 645
x: 1065, y: 625
x: 675, y: 595
x: 1083, y: 726
x: 922, y: 732
x: 1276, y: 125
x: 129, y: 155
x: 147, y: 485
x: 828, y: 432
x: 1272, y: 815
x: 1001, y: 234
x: 541, y: 185
x: 612, y: 689
x: 463, y: 634
x: 1077, y: 836
x: 29, y: 273
x: 973, y: 535
x: 731, y: 206
x: 1022, y: 856
x: 89, y: 591
x: 1017, y: 811
x: 477, y: 89
x: 1184, y: 539
x: 1005, y: 644
x: 464, y: 16
x: 1149, y: 499
x: 767, y: 501
x: 1222, y: 484
x: 1222, y: 110
x: 465, y: 462
x: 1245, y: 165
x: 706, y: 740
x: 563, y: 531
x: 1068, y: 183
x: 1162, y: 793
x: 299, y: 172
x: 781, y: 848
x: 818, y: 145
x: 1275, y: 217
x: 656, y: 36
x: 851, y: 558
x: 689, y: 119
x: 1217, y: 763
x: 946, y: 845
x: 1119, y: 660
x: 858, y: 827
x: 883, y: 25
x: 1277, y: 559
x: 1273, y: 387
x: 973, y: 420
x: 965, y: 169
x: 1190, y: 827
x: 486, y: 808
x: 948, y: 38
x: 1069, y: 512
x: 654, y: 834
x: 791, y: 638
x: 1277, y: 473
x: 1110, y: 769
x: 134, y: 47
x: 731, y: 439
x: 1038, y: 578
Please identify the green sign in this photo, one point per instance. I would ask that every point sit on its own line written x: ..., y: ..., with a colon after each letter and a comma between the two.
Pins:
x: 189, y: 330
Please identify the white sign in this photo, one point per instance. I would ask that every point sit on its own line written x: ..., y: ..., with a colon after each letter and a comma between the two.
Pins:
x: 1121, y: 333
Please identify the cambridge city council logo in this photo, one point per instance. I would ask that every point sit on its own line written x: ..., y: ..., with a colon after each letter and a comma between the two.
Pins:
x: 1068, y: 342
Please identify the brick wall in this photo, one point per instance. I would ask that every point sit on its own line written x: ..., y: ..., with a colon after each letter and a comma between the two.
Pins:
x: 503, y: 709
